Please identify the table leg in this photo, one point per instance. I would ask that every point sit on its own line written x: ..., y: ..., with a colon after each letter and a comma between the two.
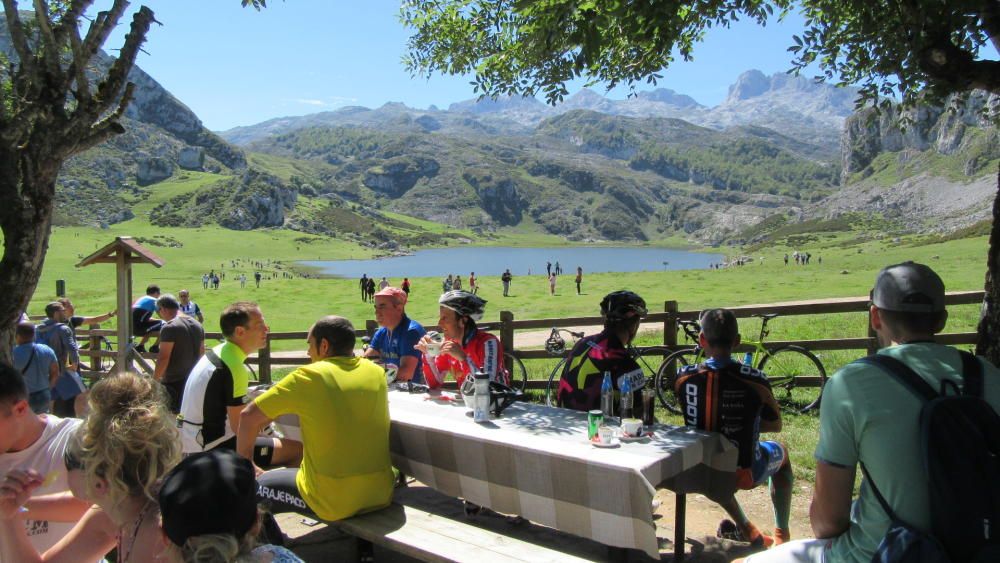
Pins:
x: 679, y: 515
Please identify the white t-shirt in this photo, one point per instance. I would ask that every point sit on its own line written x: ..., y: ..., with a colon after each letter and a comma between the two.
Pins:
x: 45, y: 456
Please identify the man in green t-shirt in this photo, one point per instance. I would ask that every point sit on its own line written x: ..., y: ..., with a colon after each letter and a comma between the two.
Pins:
x: 343, y: 409
x: 868, y: 416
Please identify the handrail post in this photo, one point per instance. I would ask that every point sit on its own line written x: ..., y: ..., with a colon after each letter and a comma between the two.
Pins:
x: 264, y: 361
x: 670, y: 324
x: 95, y: 347
x: 507, y: 331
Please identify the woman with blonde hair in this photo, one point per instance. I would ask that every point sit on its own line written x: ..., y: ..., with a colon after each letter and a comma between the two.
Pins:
x: 208, y: 504
x: 121, y: 451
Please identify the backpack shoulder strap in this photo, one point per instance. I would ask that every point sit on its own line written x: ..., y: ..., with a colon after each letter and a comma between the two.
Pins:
x: 903, y: 373
x: 878, y: 495
x: 972, y: 375
x: 214, y: 358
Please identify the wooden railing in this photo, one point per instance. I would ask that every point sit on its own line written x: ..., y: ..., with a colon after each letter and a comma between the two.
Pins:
x: 508, y: 325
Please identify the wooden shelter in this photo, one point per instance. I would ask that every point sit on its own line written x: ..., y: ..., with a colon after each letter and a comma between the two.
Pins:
x: 124, y: 252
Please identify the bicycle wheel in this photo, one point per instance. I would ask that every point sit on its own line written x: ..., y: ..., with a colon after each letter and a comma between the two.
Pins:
x: 552, y: 387
x: 784, y: 365
x: 515, y: 368
x: 666, y: 375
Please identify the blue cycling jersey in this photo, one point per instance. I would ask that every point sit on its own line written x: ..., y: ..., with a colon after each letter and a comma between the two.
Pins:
x: 395, y: 345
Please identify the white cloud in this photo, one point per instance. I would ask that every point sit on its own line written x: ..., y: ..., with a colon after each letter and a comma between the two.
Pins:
x: 332, y: 101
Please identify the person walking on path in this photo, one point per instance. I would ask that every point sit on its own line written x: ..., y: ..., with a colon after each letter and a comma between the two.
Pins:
x: 579, y: 278
x: 552, y: 283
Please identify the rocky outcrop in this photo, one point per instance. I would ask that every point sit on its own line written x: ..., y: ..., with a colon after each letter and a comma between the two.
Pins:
x: 498, y: 196
x: 191, y: 158
x: 395, y: 176
x: 869, y: 132
x: 261, y: 200
x: 152, y: 169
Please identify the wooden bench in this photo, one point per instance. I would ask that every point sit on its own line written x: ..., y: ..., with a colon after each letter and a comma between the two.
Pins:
x: 433, y: 537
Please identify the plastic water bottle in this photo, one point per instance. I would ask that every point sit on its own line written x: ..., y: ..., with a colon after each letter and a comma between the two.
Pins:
x: 626, y: 392
x: 747, y: 358
x: 607, y: 397
x: 481, y: 413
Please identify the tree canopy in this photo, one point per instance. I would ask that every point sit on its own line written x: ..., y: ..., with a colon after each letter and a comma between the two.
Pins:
x: 528, y: 47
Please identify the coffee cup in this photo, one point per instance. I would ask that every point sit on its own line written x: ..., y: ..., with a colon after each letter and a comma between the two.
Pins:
x: 606, y: 434
x: 436, y: 339
x: 632, y: 427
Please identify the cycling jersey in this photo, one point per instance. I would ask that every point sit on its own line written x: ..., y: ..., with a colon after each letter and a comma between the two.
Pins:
x: 393, y: 345
x: 482, y: 351
x: 583, y: 373
x: 730, y: 398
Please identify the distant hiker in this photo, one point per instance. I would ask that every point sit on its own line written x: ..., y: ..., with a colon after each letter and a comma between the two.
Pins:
x: 552, y: 283
x: 243, y: 281
x: 548, y: 268
x: 204, y: 281
x: 446, y: 284
x: 256, y: 278
x: 786, y: 258
x: 188, y: 307
x: 558, y: 269
x: 579, y: 278
x: 383, y: 284
x: 456, y: 282
x: 363, y: 284
x: 505, y: 279
x: 371, y: 289
x: 473, y: 285
x: 406, y: 286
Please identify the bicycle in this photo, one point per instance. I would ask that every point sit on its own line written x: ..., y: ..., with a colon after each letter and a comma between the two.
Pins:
x: 783, y: 365
x: 555, y: 345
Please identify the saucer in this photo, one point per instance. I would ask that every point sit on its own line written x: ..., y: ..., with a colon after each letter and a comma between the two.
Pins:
x: 639, y: 438
x: 615, y: 442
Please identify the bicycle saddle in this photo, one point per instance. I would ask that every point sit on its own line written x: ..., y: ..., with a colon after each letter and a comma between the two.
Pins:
x: 768, y: 316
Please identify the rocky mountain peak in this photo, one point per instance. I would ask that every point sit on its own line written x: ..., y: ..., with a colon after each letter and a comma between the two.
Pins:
x: 750, y: 84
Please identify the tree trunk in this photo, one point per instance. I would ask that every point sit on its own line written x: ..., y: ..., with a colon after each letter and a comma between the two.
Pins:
x: 27, y: 188
x: 989, y: 321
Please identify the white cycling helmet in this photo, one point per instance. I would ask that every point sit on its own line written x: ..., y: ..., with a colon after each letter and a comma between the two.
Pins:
x: 464, y: 303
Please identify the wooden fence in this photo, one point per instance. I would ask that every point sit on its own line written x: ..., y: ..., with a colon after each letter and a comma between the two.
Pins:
x: 508, y: 325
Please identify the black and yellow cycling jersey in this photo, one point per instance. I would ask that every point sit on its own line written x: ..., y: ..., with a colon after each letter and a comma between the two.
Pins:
x: 583, y: 373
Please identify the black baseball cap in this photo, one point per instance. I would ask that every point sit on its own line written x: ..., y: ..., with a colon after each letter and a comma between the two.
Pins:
x: 213, y: 492
x: 908, y: 288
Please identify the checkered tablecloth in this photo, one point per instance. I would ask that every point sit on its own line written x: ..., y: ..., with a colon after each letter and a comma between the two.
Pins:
x: 535, y: 461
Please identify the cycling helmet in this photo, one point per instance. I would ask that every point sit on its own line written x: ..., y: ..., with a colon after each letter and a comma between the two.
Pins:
x: 464, y: 303
x: 618, y: 304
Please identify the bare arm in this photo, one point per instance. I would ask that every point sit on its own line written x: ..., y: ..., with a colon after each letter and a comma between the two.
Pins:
x: 98, y: 318
x: 53, y: 374
x: 407, y: 365
x: 371, y: 353
x: 163, y: 359
x: 252, y: 420
x: 830, y: 511
x: 233, y: 414
x: 58, y: 507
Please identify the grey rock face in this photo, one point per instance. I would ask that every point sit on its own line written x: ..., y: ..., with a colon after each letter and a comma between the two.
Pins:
x: 499, y: 196
x: 191, y: 158
x: 397, y: 175
x: 152, y: 169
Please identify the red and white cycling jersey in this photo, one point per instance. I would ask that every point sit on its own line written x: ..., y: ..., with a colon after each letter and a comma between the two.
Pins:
x: 482, y: 350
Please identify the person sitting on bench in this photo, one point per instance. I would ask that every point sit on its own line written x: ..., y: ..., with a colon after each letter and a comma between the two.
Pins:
x: 725, y: 396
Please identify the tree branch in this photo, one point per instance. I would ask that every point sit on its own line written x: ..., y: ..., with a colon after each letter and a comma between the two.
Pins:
x: 111, y: 87
x: 17, y: 37
x: 102, y: 26
x: 49, y: 45
x: 956, y: 69
x: 69, y: 27
x: 107, y: 127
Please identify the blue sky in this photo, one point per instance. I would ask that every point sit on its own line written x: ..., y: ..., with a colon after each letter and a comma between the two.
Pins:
x: 236, y: 66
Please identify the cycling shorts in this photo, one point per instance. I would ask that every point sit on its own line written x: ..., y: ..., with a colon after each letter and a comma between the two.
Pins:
x: 768, y: 459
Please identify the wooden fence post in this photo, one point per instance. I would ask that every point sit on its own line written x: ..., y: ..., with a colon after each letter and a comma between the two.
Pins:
x: 264, y: 358
x: 95, y: 347
x: 670, y: 325
x: 507, y: 331
x: 872, y: 344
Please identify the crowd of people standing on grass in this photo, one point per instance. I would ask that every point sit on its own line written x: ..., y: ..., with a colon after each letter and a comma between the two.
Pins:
x: 119, y: 481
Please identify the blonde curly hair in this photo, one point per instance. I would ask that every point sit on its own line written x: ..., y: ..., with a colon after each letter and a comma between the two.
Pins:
x: 129, y: 439
x: 217, y: 548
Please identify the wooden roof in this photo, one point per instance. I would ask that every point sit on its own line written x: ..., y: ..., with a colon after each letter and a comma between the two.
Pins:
x: 134, y: 252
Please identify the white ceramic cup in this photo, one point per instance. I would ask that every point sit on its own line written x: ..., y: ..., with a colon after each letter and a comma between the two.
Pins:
x: 434, y: 346
x: 606, y: 434
x: 632, y: 427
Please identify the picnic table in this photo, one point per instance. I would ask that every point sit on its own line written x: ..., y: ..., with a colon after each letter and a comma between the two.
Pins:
x: 535, y: 461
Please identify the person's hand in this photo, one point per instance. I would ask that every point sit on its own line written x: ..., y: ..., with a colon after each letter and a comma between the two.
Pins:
x: 257, y: 471
x: 453, y: 349
x: 421, y: 345
x: 16, y: 490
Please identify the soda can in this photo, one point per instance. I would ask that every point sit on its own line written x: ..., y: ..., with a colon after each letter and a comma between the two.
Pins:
x: 595, y: 419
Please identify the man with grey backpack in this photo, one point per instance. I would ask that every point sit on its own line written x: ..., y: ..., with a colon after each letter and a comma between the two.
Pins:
x: 920, y: 419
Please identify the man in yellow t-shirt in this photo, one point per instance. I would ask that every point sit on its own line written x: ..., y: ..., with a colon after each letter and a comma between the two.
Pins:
x: 343, y: 410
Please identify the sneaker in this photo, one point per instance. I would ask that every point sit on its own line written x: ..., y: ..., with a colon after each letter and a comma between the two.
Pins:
x: 728, y: 530
x: 759, y: 540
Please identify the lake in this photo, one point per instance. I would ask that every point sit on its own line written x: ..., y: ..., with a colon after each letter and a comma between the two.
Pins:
x: 491, y: 261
